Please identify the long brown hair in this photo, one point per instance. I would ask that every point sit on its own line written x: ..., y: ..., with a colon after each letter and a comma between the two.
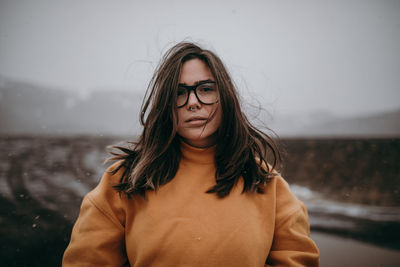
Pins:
x: 153, y: 160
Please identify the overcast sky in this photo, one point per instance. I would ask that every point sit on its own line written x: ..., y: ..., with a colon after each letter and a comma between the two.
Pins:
x: 340, y: 57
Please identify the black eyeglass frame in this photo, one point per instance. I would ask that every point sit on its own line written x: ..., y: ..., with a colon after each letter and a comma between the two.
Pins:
x: 193, y: 88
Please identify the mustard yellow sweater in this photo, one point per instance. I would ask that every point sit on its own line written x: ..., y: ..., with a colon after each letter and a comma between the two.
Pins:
x: 181, y: 225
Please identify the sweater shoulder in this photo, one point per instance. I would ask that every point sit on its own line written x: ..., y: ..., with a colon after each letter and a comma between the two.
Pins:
x: 287, y: 204
x: 108, y: 200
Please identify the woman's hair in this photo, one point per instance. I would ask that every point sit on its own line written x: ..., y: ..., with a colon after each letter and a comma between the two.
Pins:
x: 153, y: 160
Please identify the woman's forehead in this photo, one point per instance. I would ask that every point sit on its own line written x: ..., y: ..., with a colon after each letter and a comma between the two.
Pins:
x: 194, y: 71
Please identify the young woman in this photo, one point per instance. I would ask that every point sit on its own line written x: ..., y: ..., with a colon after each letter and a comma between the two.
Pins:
x: 196, y: 188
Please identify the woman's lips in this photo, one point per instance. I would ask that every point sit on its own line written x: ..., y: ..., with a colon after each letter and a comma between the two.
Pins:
x: 196, y: 121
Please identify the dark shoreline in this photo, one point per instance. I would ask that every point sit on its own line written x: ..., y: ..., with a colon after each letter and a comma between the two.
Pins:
x: 341, y: 251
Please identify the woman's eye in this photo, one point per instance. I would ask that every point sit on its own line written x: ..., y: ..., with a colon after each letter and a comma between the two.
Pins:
x: 181, y: 91
x: 206, y: 89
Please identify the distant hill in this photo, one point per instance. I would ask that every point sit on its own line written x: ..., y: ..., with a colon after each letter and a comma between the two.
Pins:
x: 385, y: 124
x: 326, y: 125
x: 32, y: 109
x: 27, y: 109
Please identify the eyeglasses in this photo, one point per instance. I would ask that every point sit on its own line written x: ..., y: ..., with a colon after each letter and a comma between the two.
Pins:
x: 206, y: 93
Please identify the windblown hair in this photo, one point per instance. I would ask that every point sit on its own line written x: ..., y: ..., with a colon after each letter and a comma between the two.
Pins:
x: 153, y: 160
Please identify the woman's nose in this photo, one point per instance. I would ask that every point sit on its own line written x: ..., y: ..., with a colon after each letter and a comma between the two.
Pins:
x: 193, y: 101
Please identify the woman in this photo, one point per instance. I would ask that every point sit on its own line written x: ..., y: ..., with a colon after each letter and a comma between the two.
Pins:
x: 195, y: 189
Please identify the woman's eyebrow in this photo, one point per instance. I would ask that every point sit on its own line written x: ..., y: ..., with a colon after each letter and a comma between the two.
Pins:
x: 199, y: 82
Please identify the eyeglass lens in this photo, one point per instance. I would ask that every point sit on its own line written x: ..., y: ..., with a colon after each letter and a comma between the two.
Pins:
x: 206, y: 93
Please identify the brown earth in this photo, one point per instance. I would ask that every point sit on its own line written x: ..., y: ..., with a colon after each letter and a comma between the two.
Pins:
x: 43, y: 180
x: 365, y: 171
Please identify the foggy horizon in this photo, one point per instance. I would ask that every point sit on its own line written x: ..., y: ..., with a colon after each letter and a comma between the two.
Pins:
x: 294, y: 58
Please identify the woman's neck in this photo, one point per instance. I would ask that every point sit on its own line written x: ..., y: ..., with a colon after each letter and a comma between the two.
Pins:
x: 196, y: 154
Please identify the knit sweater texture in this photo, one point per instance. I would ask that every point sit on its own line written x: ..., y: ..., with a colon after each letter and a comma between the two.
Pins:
x: 181, y: 225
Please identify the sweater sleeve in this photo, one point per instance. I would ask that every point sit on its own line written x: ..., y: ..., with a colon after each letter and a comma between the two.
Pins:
x: 98, y: 235
x: 292, y: 245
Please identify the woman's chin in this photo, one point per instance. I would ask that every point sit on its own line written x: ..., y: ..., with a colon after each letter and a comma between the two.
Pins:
x: 200, y: 142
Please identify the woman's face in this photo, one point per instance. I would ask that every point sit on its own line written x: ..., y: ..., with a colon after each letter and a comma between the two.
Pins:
x: 197, y: 122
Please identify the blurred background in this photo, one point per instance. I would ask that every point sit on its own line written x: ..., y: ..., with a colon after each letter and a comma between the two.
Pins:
x: 324, y: 75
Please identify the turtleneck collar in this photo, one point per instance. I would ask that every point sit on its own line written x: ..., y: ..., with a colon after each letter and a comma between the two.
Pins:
x: 197, y: 155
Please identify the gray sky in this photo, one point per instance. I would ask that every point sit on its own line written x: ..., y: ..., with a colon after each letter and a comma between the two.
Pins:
x: 340, y: 57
